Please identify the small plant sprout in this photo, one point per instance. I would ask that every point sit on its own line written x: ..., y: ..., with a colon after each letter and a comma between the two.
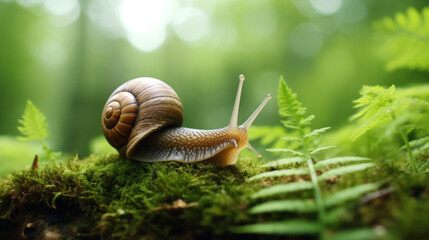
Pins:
x: 34, y: 127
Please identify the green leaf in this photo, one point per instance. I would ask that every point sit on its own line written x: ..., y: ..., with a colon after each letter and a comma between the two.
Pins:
x: 317, y: 150
x: 404, y: 40
x: 307, y: 121
x: 419, y: 142
x: 356, y: 234
x: 295, y: 227
x: 33, y: 124
x: 335, y: 215
x: 284, y: 205
x: 350, y: 194
x: 337, y: 160
x: 377, y: 105
x: 292, y: 139
x: 372, y: 100
x: 345, y: 170
x: 316, y: 132
x: 296, y: 153
x: 280, y: 173
x: 285, y: 161
x: 283, y: 188
x: 290, y: 110
x: 424, y: 166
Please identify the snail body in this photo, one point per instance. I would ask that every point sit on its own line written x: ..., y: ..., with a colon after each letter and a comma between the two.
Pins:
x: 142, y: 119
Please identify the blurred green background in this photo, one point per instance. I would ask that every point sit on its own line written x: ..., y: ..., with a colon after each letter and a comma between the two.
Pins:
x: 68, y: 56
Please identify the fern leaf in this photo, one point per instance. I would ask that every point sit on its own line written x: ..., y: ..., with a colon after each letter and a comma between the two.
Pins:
x: 424, y: 166
x: 357, y: 234
x: 284, y: 205
x: 295, y: 227
x: 33, y: 124
x: 292, y: 139
x: 350, y: 194
x: 404, y: 40
x: 283, y: 188
x: 345, y: 170
x: 285, y: 161
x: 280, y: 173
x: 337, y: 160
x: 295, y: 153
x: 377, y: 104
x: 317, y: 150
x: 316, y: 132
x: 372, y: 100
x: 307, y: 121
x: 290, y: 109
x: 419, y: 142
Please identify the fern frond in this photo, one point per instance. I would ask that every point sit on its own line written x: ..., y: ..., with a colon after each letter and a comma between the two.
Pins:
x: 419, y: 142
x: 290, y: 110
x: 350, y: 193
x: 320, y: 149
x: 377, y: 104
x: 372, y: 100
x: 344, y: 170
x: 337, y: 160
x: 292, y: 139
x: 424, y: 166
x: 280, y: 173
x: 295, y: 153
x: 284, y: 205
x: 33, y: 124
x: 294, y: 227
x: 405, y: 40
x: 283, y: 188
x: 285, y: 161
x: 307, y: 121
x: 357, y: 234
x: 316, y: 132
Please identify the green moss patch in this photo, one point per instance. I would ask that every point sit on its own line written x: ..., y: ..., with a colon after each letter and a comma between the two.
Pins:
x: 122, y: 199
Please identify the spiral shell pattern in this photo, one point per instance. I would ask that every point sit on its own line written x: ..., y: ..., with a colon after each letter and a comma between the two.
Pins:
x: 136, y: 109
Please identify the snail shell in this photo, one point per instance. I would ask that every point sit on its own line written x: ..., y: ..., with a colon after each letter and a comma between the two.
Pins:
x: 142, y: 119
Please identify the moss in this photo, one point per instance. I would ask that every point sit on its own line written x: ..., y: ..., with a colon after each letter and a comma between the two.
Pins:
x: 117, y: 198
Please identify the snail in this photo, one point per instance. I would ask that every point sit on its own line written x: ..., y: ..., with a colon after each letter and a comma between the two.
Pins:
x: 142, y: 119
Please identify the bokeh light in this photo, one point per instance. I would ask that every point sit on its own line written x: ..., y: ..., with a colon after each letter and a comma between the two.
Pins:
x: 191, y: 24
x: 326, y: 7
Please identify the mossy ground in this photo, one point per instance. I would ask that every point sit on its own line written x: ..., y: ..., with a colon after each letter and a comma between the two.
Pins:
x: 115, y: 198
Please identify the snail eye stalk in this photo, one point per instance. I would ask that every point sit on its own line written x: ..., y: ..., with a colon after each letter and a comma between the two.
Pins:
x: 234, y: 116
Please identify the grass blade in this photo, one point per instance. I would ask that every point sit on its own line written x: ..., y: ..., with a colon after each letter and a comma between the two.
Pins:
x: 295, y: 227
x: 283, y: 188
x: 285, y: 161
x: 284, y: 205
x: 350, y: 194
x: 345, y: 170
x: 337, y: 160
x: 279, y: 173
